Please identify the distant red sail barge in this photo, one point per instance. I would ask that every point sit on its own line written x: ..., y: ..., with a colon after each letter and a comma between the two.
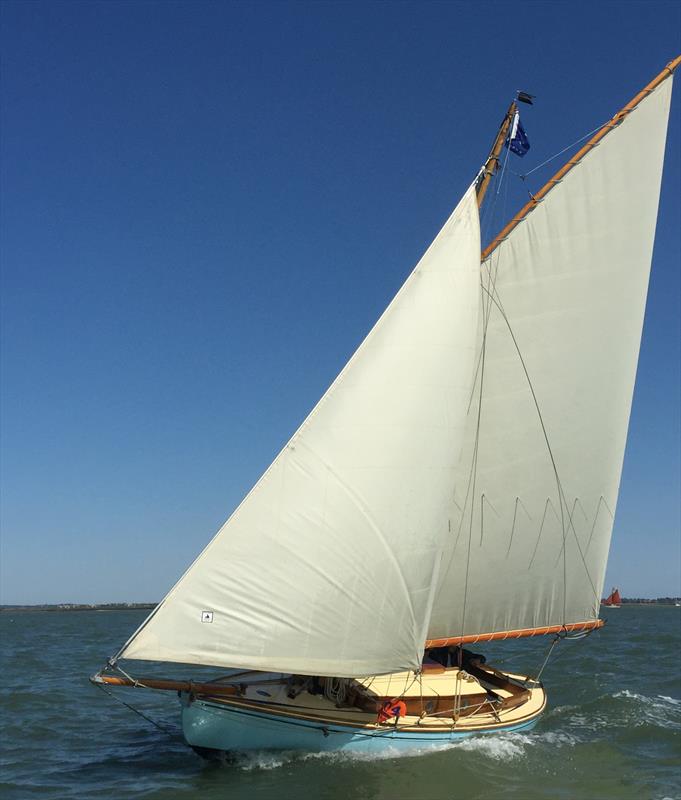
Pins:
x: 613, y: 600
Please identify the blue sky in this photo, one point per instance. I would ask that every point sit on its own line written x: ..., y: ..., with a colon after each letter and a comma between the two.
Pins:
x: 206, y: 206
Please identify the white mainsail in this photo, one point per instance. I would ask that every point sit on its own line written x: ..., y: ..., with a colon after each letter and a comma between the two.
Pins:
x: 564, y: 299
x: 329, y: 566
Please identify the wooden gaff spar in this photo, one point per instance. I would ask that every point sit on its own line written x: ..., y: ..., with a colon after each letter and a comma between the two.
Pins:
x: 452, y: 458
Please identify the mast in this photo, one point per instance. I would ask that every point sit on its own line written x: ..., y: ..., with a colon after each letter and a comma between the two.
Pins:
x: 667, y: 72
x: 492, y: 163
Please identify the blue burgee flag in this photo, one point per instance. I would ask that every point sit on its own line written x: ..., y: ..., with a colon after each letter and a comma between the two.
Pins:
x: 517, y: 140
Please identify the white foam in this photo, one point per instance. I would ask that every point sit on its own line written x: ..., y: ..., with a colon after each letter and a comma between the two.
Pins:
x: 630, y: 695
x: 560, y: 710
x: 261, y: 760
x: 659, y: 701
x: 671, y: 700
x: 386, y: 752
x: 497, y: 747
x: 555, y: 739
x: 660, y: 710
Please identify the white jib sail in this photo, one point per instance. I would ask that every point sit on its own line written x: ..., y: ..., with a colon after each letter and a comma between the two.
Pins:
x: 566, y: 295
x: 329, y: 565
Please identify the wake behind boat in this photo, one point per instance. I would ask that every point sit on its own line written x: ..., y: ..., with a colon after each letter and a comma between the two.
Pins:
x: 456, y: 484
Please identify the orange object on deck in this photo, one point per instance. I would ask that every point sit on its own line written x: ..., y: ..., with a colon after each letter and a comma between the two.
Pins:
x: 392, y: 708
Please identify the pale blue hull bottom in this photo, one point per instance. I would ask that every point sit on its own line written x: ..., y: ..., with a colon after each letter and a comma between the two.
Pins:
x: 218, y: 727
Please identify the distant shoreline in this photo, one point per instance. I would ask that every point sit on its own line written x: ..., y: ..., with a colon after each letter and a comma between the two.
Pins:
x: 638, y: 601
x: 663, y: 602
x: 81, y: 607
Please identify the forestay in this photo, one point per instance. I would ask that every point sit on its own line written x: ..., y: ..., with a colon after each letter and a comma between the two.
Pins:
x: 563, y: 300
x: 329, y: 565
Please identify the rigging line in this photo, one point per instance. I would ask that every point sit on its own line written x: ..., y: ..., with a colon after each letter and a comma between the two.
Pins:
x: 472, y: 476
x: 478, y: 371
x: 504, y: 204
x: 491, y: 282
x: 515, y: 515
x: 560, y: 152
x: 472, y: 482
x: 407, y: 687
x: 593, y: 527
x: 474, y: 465
x: 541, y: 528
x: 168, y: 731
x: 490, y: 212
x: 461, y: 518
x: 555, y: 641
x: 493, y: 268
x: 489, y: 219
x: 571, y: 526
x: 503, y: 183
x: 562, y: 497
x: 570, y: 523
x: 561, y: 493
x: 579, y: 547
x: 497, y: 302
x: 567, y: 638
x: 571, y: 520
x: 483, y: 500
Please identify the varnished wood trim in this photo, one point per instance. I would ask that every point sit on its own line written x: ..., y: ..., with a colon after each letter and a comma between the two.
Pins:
x: 474, y: 638
x: 173, y: 686
x: 492, y: 163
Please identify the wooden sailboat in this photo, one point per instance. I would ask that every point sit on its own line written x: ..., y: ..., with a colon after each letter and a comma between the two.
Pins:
x: 455, y: 485
x: 613, y: 600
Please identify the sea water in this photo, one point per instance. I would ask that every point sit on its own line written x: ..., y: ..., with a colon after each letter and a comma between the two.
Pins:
x: 612, y: 728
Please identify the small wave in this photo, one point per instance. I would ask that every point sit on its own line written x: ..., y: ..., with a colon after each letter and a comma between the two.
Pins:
x: 659, y: 701
x: 671, y: 700
x: 560, y: 710
x: 261, y: 760
x: 387, y: 752
x: 555, y: 739
x: 630, y: 695
x: 498, y: 747
x: 501, y: 748
x: 514, y: 745
x: 624, y: 709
